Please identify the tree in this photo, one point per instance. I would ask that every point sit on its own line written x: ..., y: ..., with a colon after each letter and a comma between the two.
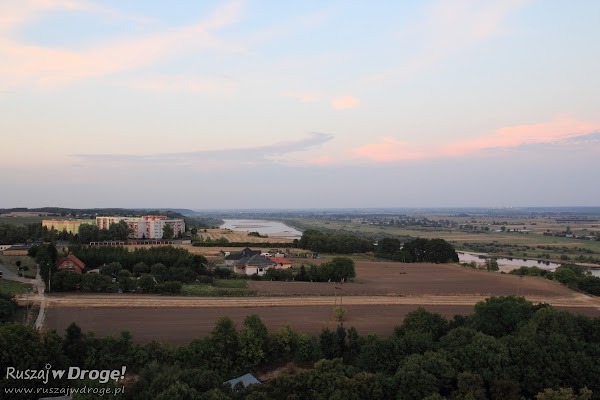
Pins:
x: 118, y: 231
x: 225, y: 345
x: 111, y: 269
x: 564, y: 394
x: 96, y: 283
x: 491, y: 264
x: 470, y: 387
x: 284, y: 342
x: 147, y: 283
x: 338, y: 313
x: 168, y: 231
x: 8, y: 308
x: 253, y: 340
x: 141, y: 268
x: 45, y: 255
x: 423, y: 323
x: 160, y: 272
x: 422, y: 375
x: 500, y: 316
x: 566, y: 276
x: 88, y: 233
x: 66, y: 281
x: 75, y: 345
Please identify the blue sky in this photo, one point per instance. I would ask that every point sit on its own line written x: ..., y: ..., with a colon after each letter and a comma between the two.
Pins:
x: 327, y: 104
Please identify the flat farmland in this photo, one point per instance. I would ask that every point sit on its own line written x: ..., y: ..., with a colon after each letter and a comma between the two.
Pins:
x: 384, y: 294
x: 182, y: 325
x: 400, y: 279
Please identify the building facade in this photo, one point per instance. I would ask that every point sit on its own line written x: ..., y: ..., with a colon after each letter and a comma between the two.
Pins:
x: 146, y: 227
x: 70, y: 225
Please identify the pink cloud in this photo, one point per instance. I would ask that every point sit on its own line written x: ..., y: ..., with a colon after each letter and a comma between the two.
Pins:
x: 559, y: 129
x: 345, y: 102
x: 389, y: 150
x: 306, y: 97
x: 556, y: 131
x: 43, y: 67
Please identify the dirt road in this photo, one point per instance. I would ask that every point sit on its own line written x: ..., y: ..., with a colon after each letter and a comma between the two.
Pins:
x: 151, y: 301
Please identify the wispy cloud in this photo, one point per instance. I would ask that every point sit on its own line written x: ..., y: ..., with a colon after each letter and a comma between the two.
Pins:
x: 388, y: 150
x: 16, y: 13
x: 345, y: 102
x: 182, y: 84
x: 561, y: 130
x: 25, y: 64
x: 451, y: 28
x: 306, y: 97
x: 244, y: 155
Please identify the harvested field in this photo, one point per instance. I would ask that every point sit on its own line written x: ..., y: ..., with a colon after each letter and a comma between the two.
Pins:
x: 386, y: 293
x: 392, y: 278
x: 182, y: 325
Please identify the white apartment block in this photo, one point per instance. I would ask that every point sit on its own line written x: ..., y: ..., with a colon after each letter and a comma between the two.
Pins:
x: 148, y: 226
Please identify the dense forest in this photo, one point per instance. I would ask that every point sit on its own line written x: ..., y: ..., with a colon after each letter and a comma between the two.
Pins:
x: 507, y: 349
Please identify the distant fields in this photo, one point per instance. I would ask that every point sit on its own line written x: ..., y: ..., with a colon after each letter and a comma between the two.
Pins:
x: 510, y: 244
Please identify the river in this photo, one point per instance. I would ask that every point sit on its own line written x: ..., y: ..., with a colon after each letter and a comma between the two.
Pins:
x: 508, y: 264
x: 264, y: 227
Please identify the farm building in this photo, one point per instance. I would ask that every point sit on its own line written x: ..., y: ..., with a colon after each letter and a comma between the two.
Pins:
x: 17, y: 250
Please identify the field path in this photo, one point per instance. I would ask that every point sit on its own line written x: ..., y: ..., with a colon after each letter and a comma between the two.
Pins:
x: 137, y: 301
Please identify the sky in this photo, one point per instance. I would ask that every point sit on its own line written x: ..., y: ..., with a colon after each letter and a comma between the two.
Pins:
x: 311, y: 104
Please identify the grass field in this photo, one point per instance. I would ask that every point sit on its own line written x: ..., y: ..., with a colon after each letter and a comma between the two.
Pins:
x: 231, y: 283
x: 13, y: 287
x: 21, y: 220
x: 220, y: 287
x: 10, y: 263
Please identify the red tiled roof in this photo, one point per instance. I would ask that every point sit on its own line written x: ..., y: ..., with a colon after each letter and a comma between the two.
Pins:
x: 72, y: 258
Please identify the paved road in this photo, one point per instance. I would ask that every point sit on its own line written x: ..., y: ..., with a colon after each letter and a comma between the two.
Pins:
x: 11, y: 276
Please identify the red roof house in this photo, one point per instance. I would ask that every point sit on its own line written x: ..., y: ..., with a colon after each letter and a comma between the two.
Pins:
x: 70, y: 263
x: 281, y: 262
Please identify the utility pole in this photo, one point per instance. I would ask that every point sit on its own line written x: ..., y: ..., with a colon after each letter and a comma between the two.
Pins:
x: 341, y: 296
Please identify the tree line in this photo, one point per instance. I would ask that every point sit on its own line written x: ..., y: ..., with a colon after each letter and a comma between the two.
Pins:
x: 333, y: 243
x: 165, y: 264
x: 337, y: 270
x: 417, y: 250
x: 573, y: 276
x: 508, y: 349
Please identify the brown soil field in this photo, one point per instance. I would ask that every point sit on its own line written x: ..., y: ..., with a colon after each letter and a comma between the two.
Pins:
x: 392, y: 278
x: 182, y: 325
x: 384, y: 294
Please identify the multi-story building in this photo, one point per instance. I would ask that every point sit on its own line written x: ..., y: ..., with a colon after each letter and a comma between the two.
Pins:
x: 70, y: 225
x: 106, y: 222
x: 146, y: 227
